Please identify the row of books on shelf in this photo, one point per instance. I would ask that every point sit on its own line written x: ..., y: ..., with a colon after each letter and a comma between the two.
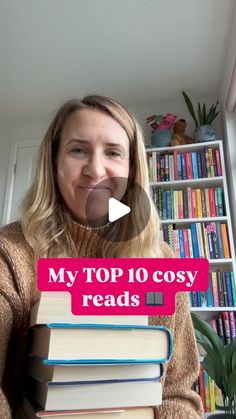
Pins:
x: 93, y: 370
x: 209, y: 392
x: 208, y: 240
x: 224, y: 324
x: 171, y: 165
x: 221, y: 291
x: 189, y: 203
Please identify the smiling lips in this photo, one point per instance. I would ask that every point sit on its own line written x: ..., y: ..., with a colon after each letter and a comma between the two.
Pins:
x: 92, y: 188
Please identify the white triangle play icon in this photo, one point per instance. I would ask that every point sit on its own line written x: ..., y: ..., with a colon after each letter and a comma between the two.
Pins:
x: 117, y: 209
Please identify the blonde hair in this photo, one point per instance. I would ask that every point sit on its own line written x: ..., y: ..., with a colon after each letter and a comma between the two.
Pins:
x: 45, y: 220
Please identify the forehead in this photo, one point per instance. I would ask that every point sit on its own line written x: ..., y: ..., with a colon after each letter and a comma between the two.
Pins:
x: 86, y: 124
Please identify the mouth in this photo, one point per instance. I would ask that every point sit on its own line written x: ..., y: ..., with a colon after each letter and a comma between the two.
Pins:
x: 92, y: 188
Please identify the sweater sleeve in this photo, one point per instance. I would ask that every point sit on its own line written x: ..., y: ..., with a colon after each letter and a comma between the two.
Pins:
x: 6, y: 320
x: 179, y: 400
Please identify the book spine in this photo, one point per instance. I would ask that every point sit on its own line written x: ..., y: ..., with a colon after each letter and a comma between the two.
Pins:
x: 207, y: 391
x: 183, y: 167
x: 203, y: 164
x: 218, y: 162
x: 219, y: 274
x: 186, y: 244
x: 228, y: 289
x: 176, y: 177
x: 203, y: 200
x: 194, y: 240
x: 220, y: 328
x: 199, y: 165
x: 225, y: 240
x: 185, y: 203
x: 181, y: 243
x: 232, y: 325
x: 220, y: 202
x: 189, y: 166
x: 194, y: 165
x: 233, y: 287
x: 220, y: 243
x: 226, y: 325
x: 199, y: 203
x: 215, y: 289
x: 189, y: 197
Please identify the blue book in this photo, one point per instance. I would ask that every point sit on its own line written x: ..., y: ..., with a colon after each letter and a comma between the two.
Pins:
x: 181, y: 244
x: 209, y: 294
x: 219, y: 240
x: 183, y: 167
x: 194, y: 165
x: 101, y: 342
x: 51, y: 396
x: 194, y: 240
x: 179, y: 166
x: 229, y: 294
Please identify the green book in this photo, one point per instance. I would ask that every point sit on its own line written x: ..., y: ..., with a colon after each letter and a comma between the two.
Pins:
x: 233, y: 288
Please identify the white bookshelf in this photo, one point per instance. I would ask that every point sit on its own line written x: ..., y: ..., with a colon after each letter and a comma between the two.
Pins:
x: 220, y: 181
x: 229, y: 264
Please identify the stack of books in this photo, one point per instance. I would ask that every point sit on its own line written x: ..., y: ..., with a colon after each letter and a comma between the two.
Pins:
x: 93, y: 367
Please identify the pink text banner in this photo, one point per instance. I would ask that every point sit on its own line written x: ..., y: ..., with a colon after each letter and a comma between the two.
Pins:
x: 123, y: 286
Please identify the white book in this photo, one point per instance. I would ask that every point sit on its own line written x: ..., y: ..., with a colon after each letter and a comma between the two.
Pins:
x: 71, y: 342
x: 97, y: 396
x: 55, y: 307
x: 42, y: 370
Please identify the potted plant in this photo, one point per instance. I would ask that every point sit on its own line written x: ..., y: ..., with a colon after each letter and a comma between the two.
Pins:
x: 203, y: 119
x: 220, y: 364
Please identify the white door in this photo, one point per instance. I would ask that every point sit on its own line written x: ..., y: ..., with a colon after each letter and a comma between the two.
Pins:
x: 20, y: 175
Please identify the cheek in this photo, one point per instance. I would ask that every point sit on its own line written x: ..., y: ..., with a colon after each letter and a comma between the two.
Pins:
x: 67, y: 171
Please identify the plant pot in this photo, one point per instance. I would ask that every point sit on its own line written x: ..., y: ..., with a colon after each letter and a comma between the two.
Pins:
x: 161, y: 138
x: 205, y: 133
x: 221, y: 416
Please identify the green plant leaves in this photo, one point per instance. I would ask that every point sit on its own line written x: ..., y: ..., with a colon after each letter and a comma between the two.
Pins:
x: 220, y: 361
x: 203, y: 327
x: 190, y: 107
x: 203, y: 117
x: 232, y: 384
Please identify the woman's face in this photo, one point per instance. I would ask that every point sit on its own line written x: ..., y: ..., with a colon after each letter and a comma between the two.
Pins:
x: 93, y: 155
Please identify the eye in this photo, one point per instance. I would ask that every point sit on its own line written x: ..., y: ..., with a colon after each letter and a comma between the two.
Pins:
x: 78, y: 151
x: 114, y: 153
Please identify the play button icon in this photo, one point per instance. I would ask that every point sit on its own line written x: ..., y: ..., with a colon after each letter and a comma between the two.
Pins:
x: 117, y: 210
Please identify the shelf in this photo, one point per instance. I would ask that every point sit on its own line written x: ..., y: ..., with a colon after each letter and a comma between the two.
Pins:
x: 214, y: 309
x: 185, y: 147
x: 220, y: 261
x: 194, y: 220
x: 213, y: 181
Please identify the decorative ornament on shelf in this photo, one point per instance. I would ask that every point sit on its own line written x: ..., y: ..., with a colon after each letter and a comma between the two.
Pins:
x: 179, y: 137
x: 161, y: 127
x: 219, y: 363
x: 203, y: 119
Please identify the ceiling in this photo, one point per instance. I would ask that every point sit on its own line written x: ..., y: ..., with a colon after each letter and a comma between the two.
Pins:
x: 138, y: 51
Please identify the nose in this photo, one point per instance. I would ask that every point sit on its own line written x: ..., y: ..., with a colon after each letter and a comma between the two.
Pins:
x: 95, y: 167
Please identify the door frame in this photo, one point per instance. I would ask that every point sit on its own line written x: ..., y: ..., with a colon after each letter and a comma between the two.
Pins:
x: 11, y: 176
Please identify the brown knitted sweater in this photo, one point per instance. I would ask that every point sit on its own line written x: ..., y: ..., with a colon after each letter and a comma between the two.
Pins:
x: 17, y: 295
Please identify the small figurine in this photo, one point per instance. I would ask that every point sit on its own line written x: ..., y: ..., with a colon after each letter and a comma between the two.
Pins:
x: 179, y: 138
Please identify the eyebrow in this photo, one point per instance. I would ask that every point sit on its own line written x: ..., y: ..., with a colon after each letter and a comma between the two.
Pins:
x: 76, y: 140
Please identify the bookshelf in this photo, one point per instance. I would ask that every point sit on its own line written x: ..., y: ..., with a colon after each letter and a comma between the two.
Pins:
x: 171, y: 170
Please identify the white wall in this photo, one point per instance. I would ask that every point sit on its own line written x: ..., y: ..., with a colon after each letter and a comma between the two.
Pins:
x: 35, y: 129
x: 229, y: 119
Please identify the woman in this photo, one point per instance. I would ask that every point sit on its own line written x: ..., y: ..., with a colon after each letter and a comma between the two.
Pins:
x: 89, y: 143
